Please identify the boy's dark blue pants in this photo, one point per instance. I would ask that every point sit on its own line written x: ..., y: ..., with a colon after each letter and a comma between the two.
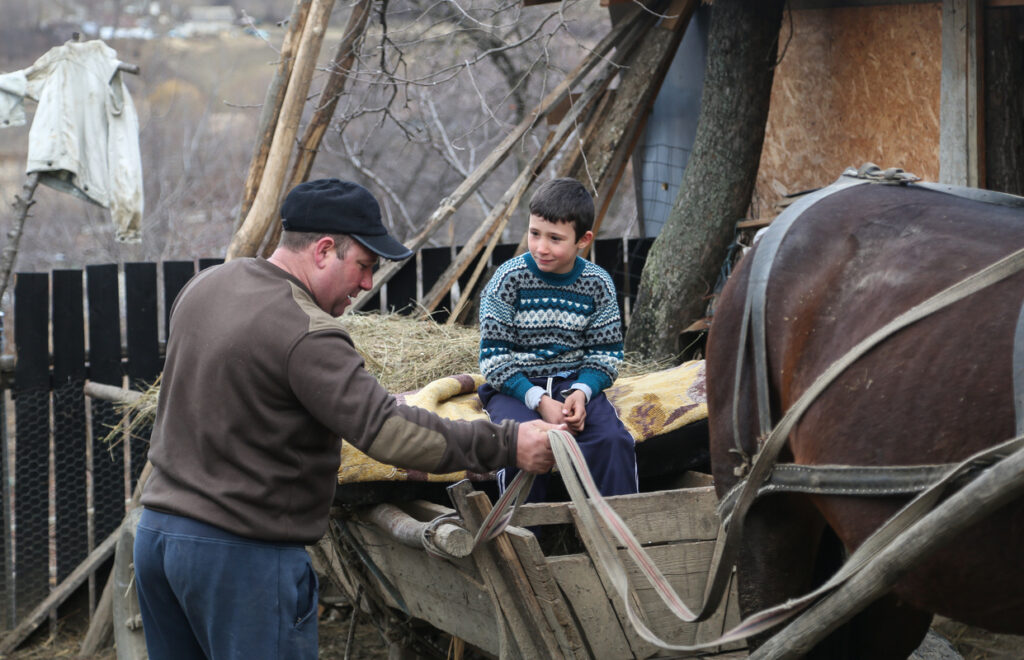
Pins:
x: 207, y: 593
x: 605, y: 443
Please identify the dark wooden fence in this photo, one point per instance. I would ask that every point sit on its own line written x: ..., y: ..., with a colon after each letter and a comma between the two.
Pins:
x: 64, y: 488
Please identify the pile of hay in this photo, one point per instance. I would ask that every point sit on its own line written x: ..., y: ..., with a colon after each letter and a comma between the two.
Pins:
x: 403, y: 353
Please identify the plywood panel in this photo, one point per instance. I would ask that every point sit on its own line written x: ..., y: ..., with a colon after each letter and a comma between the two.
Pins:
x: 855, y: 84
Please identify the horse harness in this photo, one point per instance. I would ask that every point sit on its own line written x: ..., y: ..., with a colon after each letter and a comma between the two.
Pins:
x: 859, y: 481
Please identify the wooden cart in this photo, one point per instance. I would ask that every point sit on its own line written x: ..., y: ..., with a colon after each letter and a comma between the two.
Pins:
x: 509, y: 597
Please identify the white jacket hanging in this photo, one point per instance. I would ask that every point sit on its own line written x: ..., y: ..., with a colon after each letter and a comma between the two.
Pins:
x: 84, y: 138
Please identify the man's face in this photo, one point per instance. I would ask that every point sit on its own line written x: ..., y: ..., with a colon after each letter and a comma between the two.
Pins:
x: 553, y: 245
x: 345, y: 277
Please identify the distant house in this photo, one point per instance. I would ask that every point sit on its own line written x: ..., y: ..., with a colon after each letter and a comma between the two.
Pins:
x: 206, y: 20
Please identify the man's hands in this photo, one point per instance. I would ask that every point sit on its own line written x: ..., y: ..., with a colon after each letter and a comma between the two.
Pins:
x: 570, y: 412
x: 533, y: 450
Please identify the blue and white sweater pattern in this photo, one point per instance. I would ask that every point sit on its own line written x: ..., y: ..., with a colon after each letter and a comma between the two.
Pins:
x: 536, y: 324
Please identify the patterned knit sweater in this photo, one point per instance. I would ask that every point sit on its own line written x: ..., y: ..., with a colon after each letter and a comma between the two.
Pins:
x: 536, y: 324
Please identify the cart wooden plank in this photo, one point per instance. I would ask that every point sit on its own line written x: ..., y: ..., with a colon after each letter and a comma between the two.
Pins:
x: 693, y: 514
x: 552, y: 604
x: 578, y: 580
x: 449, y: 594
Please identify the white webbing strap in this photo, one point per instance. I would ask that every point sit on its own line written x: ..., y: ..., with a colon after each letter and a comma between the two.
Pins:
x: 581, y: 486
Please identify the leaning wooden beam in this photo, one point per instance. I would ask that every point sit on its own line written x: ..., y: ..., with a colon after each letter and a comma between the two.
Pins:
x: 309, y: 145
x: 502, y: 211
x: 60, y: 594
x: 246, y: 241
x: 344, y: 59
x: 640, y: 82
x: 111, y: 393
x: 621, y: 123
x: 505, y: 208
x: 513, y: 598
x: 101, y: 627
x: 22, y: 203
x: 620, y: 120
x: 626, y: 32
x: 272, y: 106
x: 408, y: 531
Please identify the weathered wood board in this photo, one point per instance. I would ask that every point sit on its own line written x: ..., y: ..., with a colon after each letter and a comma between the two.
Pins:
x: 448, y: 594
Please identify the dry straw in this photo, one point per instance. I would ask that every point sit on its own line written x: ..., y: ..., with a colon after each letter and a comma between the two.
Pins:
x: 403, y: 353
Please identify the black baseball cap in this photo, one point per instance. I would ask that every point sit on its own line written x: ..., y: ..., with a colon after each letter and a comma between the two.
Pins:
x: 333, y: 206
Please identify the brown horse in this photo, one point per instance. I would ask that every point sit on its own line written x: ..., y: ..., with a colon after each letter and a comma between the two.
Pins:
x: 935, y: 392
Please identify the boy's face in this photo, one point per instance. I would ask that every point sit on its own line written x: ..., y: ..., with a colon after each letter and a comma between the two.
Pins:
x: 553, y: 245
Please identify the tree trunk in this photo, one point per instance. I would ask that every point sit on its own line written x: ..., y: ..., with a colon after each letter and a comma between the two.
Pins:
x: 1004, y: 99
x: 719, y: 179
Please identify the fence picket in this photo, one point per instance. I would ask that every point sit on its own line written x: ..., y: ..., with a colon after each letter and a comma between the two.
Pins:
x: 31, y: 574
x: 105, y: 367
x: 144, y: 363
x: 69, y: 441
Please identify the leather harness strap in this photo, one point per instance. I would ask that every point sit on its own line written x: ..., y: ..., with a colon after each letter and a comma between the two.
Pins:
x: 1018, y: 372
x: 754, y: 306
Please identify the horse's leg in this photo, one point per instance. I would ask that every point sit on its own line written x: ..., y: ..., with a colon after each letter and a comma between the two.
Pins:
x: 887, y: 629
x: 776, y: 561
x: 787, y: 551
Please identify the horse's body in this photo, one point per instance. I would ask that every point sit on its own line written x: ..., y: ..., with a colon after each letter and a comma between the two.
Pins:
x: 935, y: 392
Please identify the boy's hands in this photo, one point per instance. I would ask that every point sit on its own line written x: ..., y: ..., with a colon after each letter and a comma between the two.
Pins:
x: 533, y: 449
x: 575, y: 410
x: 571, y: 412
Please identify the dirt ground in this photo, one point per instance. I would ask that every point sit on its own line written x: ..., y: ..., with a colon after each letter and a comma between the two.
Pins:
x: 978, y: 644
x: 368, y: 643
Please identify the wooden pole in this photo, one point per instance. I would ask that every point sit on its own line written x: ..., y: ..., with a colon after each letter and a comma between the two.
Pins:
x: 272, y: 106
x: 22, y: 203
x: 408, y: 531
x: 516, y: 603
x: 309, y: 145
x: 994, y: 488
x: 101, y: 627
x: 621, y: 36
x: 264, y: 210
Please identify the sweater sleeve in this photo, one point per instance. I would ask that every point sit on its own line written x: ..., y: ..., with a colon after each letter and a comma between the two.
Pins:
x: 327, y: 375
x: 602, y: 342
x: 498, y: 338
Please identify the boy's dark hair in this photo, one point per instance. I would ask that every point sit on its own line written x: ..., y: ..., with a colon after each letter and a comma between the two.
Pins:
x: 564, y: 200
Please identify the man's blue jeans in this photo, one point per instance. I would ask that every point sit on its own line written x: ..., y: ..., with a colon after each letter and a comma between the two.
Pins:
x: 207, y: 593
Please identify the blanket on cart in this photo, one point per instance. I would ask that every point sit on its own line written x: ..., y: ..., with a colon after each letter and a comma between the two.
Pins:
x: 649, y: 405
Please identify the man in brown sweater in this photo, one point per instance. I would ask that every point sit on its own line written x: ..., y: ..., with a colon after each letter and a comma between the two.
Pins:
x: 260, y: 385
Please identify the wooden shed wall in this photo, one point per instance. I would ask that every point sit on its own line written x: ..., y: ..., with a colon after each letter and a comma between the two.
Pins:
x: 855, y: 84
